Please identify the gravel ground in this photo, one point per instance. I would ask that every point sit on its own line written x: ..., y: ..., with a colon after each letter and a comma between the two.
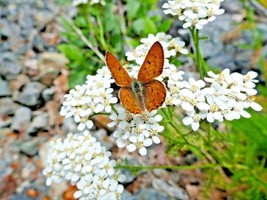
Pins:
x: 33, y: 81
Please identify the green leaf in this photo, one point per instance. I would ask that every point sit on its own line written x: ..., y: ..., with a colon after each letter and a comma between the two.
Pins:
x: 132, y: 8
x: 77, y: 78
x: 116, y: 41
x: 150, y: 27
x: 138, y: 25
x: 71, y: 51
x: 80, y: 21
x: 165, y: 26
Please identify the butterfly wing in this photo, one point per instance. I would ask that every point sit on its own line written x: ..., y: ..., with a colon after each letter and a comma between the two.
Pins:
x: 154, y: 93
x: 153, y: 64
x: 120, y: 75
x: 129, y: 100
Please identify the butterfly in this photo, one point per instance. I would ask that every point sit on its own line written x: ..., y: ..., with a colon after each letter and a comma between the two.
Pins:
x: 145, y: 92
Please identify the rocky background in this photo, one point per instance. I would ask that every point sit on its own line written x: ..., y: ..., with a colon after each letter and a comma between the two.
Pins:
x: 34, y: 79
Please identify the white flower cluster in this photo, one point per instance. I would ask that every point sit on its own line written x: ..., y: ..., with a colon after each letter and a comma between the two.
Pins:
x: 230, y: 94
x: 136, y: 131
x: 78, y: 2
x: 194, y: 13
x: 170, y: 46
x: 82, y: 160
x: 95, y: 96
x: 226, y: 97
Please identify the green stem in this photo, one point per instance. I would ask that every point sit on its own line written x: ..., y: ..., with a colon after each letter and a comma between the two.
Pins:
x: 101, y: 32
x: 201, y: 65
x: 98, y: 114
x: 114, y: 109
x: 85, y: 40
x: 187, y: 167
x: 174, y: 126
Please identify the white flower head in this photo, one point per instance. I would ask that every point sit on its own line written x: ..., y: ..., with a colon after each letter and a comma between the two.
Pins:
x: 81, y: 160
x: 136, y: 132
x: 95, y: 96
x: 223, y: 96
x: 79, y: 2
x: 170, y: 47
x: 194, y: 13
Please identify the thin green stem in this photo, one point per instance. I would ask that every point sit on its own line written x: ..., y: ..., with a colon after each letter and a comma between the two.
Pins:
x: 187, y: 167
x: 101, y: 32
x: 98, y: 114
x: 85, y: 40
x: 175, y: 127
x: 114, y: 109
x: 201, y: 65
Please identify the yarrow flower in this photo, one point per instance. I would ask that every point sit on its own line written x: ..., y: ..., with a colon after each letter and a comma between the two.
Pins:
x: 95, y: 96
x: 194, y: 13
x: 170, y: 46
x: 227, y: 96
x: 136, y: 132
x: 230, y: 94
x: 78, y: 2
x: 82, y: 160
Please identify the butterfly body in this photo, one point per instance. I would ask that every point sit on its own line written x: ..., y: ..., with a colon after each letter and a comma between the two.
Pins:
x: 144, y: 92
x: 137, y: 89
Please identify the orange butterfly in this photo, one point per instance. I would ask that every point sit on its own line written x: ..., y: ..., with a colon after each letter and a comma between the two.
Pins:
x: 143, y: 93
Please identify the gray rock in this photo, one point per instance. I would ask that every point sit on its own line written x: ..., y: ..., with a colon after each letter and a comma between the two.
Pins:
x: 9, y: 65
x: 130, y: 177
x: 222, y: 60
x: 38, y: 44
x: 150, y: 193
x: 69, y: 125
x: 128, y: 196
x: 264, y: 51
x: 214, y: 30
x: 247, y: 38
x: 29, y: 148
x: 211, y: 48
x: 232, y: 6
x: 106, y: 141
x: 41, y: 18
x: 243, y: 58
x: 174, y: 192
x: 21, y: 119
x: 48, y: 93
x: 263, y: 29
x: 25, y: 17
x: 7, y: 106
x: 4, y: 45
x: 31, y: 94
x: 5, y: 121
x: 9, y: 30
x: 4, y: 89
x: 40, y: 122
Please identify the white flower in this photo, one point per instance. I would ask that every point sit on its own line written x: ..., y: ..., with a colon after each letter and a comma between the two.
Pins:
x: 136, y: 132
x: 230, y: 94
x: 227, y: 97
x: 178, y: 45
x: 78, y: 2
x: 194, y: 21
x: 174, y: 85
x: 192, y: 100
x: 193, y: 119
x: 222, y: 78
x: 250, y: 103
x: 170, y: 47
x: 81, y: 160
x: 95, y: 96
x: 195, y: 13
